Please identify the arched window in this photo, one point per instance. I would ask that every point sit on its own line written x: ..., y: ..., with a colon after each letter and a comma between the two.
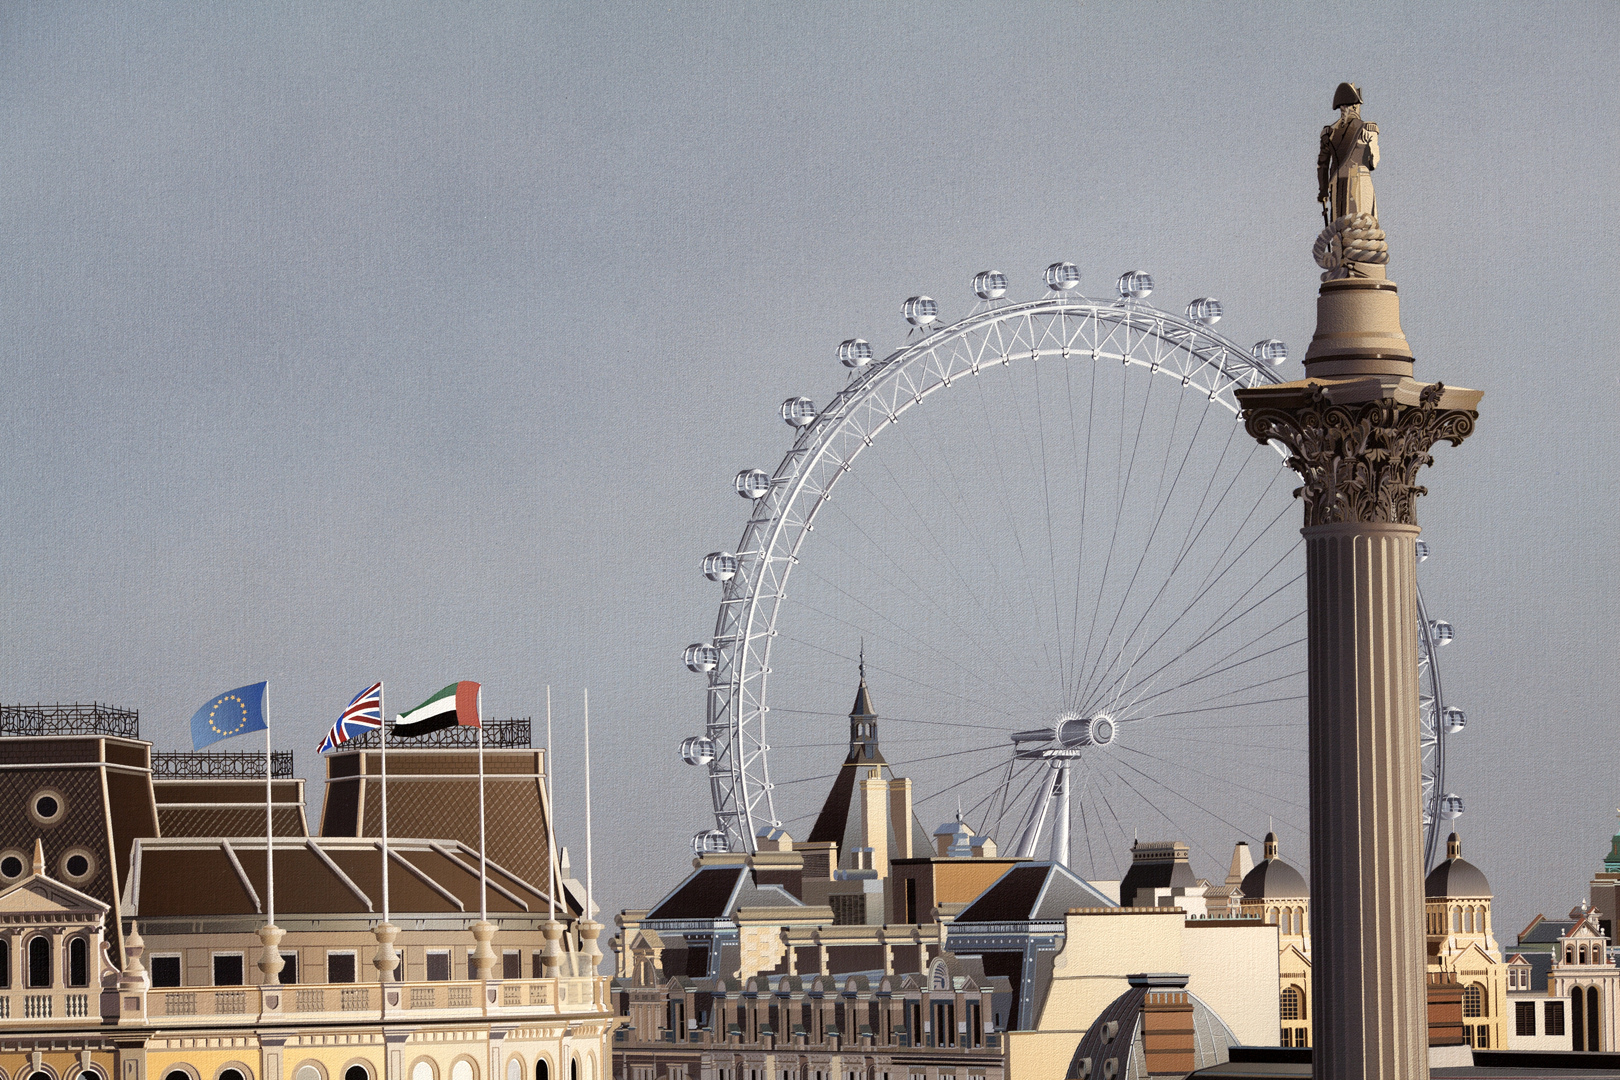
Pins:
x: 39, y: 962
x: 1583, y: 952
x: 1473, y: 1001
x: 422, y: 1070
x: 573, y: 1069
x: 230, y: 1074
x: 514, y: 1068
x: 1293, y: 1003
x: 461, y: 1070
x: 78, y: 962
x: 1468, y: 920
x: 178, y: 1074
x: 356, y: 1072
x: 542, y: 1071
x: 1592, y: 1016
x: 5, y: 962
x: 1577, y: 1018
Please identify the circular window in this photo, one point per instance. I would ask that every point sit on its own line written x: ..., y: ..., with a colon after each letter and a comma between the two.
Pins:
x: 47, y: 806
x: 79, y: 865
x: 13, y: 864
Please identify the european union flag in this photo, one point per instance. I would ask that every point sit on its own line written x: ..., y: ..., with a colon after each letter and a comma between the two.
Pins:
x: 235, y: 712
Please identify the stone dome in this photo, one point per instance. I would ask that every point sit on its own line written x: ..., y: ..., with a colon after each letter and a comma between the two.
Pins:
x: 1456, y: 876
x: 1274, y: 879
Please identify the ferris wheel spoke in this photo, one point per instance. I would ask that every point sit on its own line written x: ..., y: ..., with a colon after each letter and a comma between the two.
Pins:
x: 1200, y: 712
x: 990, y: 709
x: 922, y: 593
x: 1209, y: 631
x: 971, y: 671
x: 1119, y: 502
x: 1147, y: 547
x: 1210, y: 674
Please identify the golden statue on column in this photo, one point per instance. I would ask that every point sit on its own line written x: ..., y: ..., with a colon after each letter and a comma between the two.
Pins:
x: 1351, y: 244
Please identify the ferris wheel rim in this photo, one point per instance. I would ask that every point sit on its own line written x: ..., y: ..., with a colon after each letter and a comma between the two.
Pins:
x: 741, y: 790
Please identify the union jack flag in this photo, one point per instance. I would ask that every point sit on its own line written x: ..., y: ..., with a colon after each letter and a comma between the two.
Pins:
x: 363, y: 714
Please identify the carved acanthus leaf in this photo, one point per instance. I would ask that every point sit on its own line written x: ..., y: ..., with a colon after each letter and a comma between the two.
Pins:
x: 1359, y: 462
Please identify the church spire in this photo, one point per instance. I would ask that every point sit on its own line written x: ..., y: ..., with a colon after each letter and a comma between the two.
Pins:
x: 863, y: 738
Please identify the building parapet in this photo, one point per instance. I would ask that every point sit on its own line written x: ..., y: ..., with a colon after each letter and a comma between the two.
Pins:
x: 326, y: 1003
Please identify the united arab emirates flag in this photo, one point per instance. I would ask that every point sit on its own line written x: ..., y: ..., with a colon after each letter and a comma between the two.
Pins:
x: 456, y: 704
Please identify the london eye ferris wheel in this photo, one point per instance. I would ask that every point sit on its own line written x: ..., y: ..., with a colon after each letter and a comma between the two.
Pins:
x: 1071, y: 571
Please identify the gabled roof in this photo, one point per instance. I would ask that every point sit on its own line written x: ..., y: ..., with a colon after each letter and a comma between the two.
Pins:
x: 39, y: 894
x: 1540, y: 967
x: 1035, y: 892
x: 716, y: 892
x: 1544, y: 930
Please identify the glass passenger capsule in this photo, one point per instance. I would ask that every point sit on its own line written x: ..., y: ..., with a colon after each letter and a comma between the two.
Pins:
x: 701, y: 658
x: 855, y: 352
x: 1270, y: 351
x: 1441, y: 631
x: 1062, y: 276
x: 1451, y: 807
x: 989, y: 284
x: 697, y: 750
x: 920, y: 310
x: 752, y: 483
x: 1135, y: 285
x: 799, y: 412
x: 710, y: 842
x: 719, y: 566
x: 1206, y: 309
x: 1422, y: 548
x: 1454, y: 720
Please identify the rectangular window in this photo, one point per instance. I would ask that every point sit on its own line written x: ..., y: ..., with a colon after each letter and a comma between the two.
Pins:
x: 911, y: 901
x: 340, y: 967
x: 438, y: 966
x: 165, y: 970
x: 227, y: 969
x: 537, y: 969
x: 1552, y: 1021
x: 511, y: 964
x: 289, y: 969
x: 1524, y: 1018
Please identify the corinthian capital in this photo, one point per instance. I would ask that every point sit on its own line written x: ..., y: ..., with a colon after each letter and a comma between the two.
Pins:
x: 1359, y: 459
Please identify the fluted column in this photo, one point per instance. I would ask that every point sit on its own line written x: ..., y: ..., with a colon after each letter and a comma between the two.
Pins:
x: 1366, y: 801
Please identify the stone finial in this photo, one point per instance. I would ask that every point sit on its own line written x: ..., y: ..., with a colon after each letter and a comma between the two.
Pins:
x: 39, y: 856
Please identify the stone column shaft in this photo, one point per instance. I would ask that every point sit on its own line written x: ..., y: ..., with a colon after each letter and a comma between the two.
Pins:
x: 1369, y: 1003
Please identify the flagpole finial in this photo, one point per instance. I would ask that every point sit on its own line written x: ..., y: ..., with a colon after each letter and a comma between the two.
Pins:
x: 863, y: 658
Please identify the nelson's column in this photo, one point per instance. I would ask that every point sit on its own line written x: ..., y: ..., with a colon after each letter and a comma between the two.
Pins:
x: 1359, y: 427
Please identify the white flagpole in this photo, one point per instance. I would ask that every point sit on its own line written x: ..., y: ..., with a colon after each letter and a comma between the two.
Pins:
x: 587, y: 804
x: 269, y: 823
x: 483, y: 862
x: 551, y: 817
x: 382, y: 737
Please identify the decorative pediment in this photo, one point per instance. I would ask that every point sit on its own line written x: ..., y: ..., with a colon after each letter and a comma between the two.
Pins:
x: 1473, y: 958
x: 36, y: 895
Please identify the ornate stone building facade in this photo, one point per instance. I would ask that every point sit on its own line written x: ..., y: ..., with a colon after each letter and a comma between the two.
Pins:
x: 126, y: 954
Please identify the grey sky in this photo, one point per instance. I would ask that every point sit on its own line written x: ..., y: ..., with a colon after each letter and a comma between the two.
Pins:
x: 352, y: 341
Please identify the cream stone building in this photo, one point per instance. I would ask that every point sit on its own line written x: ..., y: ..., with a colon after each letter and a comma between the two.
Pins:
x: 1275, y: 892
x: 1462, y: 943
x: 134, y: 945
